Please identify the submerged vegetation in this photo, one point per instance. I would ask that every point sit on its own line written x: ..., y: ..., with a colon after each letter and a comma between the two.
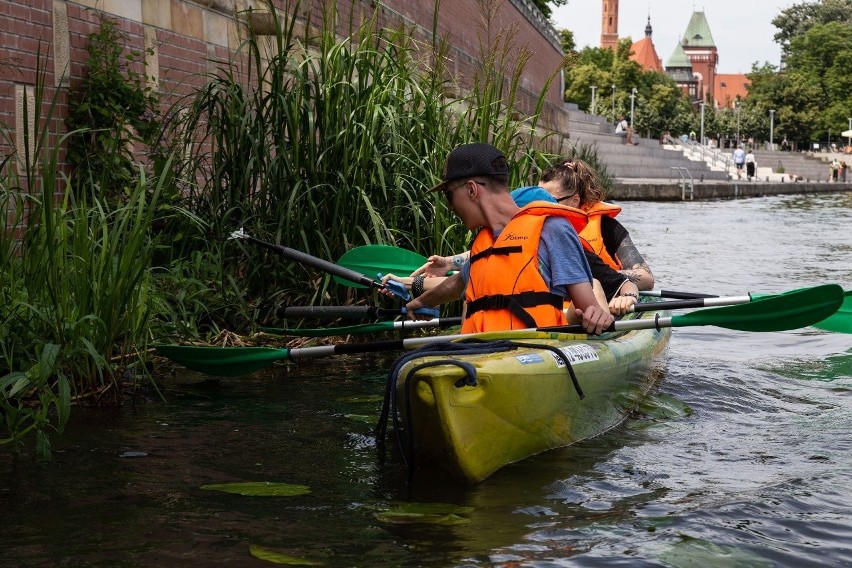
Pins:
x: 316, y: 142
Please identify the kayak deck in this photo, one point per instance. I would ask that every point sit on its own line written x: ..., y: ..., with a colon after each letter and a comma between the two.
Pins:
x: 523, y: 401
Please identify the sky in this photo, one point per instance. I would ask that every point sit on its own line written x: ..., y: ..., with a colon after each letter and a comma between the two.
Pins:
x: 742, y: 29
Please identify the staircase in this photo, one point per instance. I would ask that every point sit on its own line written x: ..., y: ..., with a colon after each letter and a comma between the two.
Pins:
x: 802, y: 165
x: 648, y: 160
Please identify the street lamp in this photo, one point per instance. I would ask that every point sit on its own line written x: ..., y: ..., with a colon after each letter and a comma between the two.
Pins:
x: 849, y: 142
x: 737, y: 106
x: 632, y: 101
x: 701, y: 140
x: 593, y: 87
x: 613, y: 104
x: 771, y: 127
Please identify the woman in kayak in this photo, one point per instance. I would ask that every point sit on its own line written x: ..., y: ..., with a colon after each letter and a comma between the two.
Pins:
x: 575, y: 183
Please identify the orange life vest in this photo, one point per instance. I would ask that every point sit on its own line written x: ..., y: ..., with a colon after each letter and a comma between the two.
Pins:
x: 506, y: 290
x: 591, y: 233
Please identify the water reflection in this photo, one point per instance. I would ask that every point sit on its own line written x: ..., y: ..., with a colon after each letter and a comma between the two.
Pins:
x: 743, y: 453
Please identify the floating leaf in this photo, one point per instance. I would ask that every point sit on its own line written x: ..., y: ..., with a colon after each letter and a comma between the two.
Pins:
x: 401, y: 518
x: 259, y: 488
x: 362, y: 398
x: 425, y: 513
x: 271, y: 555
x: 698, y: 552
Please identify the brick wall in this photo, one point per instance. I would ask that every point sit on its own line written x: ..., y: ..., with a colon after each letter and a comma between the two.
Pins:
x: 188, y: 34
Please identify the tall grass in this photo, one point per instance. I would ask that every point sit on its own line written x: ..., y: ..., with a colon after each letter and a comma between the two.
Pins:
x: 75, y: 285
x: 322, y: 144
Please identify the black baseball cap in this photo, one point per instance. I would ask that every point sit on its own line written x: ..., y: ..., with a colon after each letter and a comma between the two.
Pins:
x: 469, y: 160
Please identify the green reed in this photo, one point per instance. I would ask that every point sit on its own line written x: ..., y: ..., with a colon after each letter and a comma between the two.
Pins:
x: 322, y: 144
x: 76, y: 284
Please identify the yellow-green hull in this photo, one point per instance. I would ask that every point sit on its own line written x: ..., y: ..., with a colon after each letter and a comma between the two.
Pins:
x: 524, y: 401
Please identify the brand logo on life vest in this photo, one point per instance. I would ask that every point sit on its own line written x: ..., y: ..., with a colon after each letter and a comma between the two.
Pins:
x: 514, y: 237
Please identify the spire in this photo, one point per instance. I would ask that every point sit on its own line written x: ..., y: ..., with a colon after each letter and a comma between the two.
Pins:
x: 648, y: 29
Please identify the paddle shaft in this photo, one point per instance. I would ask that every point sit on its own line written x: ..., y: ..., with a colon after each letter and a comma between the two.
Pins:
x: 364, y: 312
x: 400, y: 325
x: 707, y: 302
x: 319, y: 312
x: 675, y: 295
x: 318, y: 263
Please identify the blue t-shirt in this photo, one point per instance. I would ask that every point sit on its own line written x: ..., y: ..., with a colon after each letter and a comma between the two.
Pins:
x: 561, y: 260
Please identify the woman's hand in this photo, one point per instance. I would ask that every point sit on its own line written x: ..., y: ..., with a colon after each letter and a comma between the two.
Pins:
x: 405, y: 280
x: 627, y: 296
x: 435, y: 266
x: 621, y: 305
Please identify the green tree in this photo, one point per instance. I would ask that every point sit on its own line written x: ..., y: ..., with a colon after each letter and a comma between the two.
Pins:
x: 659, y: 105
x: 796, y: 20
x: 546, y: 6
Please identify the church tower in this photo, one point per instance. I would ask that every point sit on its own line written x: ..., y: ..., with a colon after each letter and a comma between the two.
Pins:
x: 700, y: 49
x: 609, y: 24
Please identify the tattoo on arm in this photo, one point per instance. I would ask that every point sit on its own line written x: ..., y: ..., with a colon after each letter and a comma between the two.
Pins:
x: 632, y: 263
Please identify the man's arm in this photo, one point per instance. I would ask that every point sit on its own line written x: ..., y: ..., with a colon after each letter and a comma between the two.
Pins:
x: 447, y: 291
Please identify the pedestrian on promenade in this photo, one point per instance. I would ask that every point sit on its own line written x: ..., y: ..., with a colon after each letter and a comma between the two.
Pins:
x: 739, y: 161
x: 751, y: 164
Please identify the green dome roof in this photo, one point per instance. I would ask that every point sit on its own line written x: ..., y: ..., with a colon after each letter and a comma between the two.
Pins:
x: 698, y: 32
x: 678, y: 58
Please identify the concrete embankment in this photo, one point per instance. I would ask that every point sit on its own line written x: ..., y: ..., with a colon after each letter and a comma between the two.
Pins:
x: 669, y: 190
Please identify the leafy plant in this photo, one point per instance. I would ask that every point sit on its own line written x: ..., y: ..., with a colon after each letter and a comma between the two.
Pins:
x: 76, y: 286
x: 109, y: 114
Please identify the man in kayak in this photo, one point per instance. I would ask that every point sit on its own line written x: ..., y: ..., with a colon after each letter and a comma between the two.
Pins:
x: 614, y: 290
x: 609, y: 248
x: 524, y: 262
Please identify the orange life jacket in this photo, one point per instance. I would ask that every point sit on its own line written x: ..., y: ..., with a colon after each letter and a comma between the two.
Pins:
x: 591, y: 234
x: 506, y: 290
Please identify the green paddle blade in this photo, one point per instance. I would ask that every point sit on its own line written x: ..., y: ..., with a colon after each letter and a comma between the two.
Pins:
x: 841, y: 320
x: 371, y: 260
x: 779, y: 312
x: 223, y: 361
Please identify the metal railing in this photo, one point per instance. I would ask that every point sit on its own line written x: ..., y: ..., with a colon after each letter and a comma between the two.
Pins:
x: 684, y: 180
x: 710, y: 156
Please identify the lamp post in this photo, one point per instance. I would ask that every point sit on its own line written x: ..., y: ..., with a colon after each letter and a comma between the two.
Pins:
x: 632, y: 101
x: 593, y: 87
x: 771, y: 128
x: 849, y: 141
x: 738, y: 123
x: 701, y: 140
x: 613, y: 104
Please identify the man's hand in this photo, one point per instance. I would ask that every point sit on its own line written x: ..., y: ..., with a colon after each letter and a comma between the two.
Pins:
x: 595, y: 319
x: 435, y: 266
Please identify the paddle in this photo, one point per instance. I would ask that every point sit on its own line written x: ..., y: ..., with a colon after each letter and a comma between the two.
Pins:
x: 333, y: 269
x: 839, y: 322
x: 380, y: 259
x: 372, y: 312
x: 401, y: 325
x: 385, y: 258
x: 675, y: 295
x: 790, y: 310
x: 363, y: 312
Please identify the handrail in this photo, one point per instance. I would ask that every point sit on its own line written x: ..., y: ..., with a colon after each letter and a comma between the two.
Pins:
x: 711, y: 156
x: 684, y: 181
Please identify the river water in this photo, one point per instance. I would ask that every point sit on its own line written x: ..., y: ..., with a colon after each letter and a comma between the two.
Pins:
x: 742, y: 456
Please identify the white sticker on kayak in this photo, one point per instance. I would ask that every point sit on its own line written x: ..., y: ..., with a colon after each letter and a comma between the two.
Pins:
x: 529, y: 358
x: 576, y: 354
